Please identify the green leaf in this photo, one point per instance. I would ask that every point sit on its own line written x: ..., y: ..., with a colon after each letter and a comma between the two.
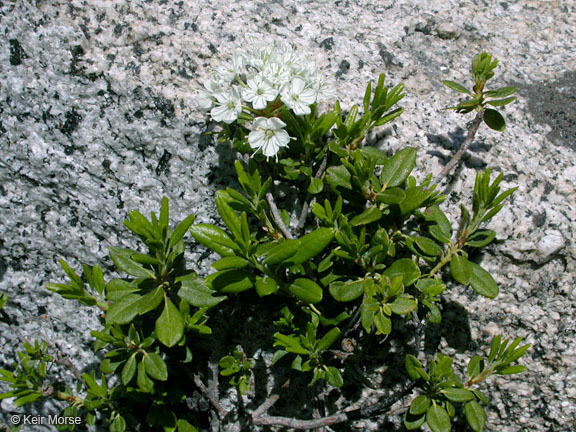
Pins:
x: 228, y: 215
x: 281, y: 252
x: 118, y: 424
x: 312, y: 244
x: 397, y: 169
x: 474, y: 366
x: 419, y: 405
x: 184, y: 426
x: 368, y: 216
x: 458, y: 394
x: 482, y: 282
x: 415, y: 197
x: 195, y: 291
x: 383, y: 323
x: 428, y: 246
x: 143, y: 381
x: 129, y: 370
x: 502, y: 102
x: 510, y: 370
x: 475, y: 416
x: 441, y: 229
x: 481, y: 238
x: 413, y: 422
x: 501, y: 92
x: 180, y: 230
x: 455, y: 86
x: 460, y: 269
x: 291, y: 344
x: 404, y: 267
x: 213, y: 238
x: 118, y: 288
x: 412, y: 365
x: 334, y: 377
x: 124, y: 310
x: 347, y: 291
x: 170, y: 325
x: 391, y: 196
x: 338, y: 176
x: 403, y: 305
x: 328, y: 339
x: 265, y: 286
x: 306, y: 290
x: 231, y: 262
x: 150, y: 301
x: 155, y: 367
x: 437, y: 419
x: 123, y: 261
x: 494, y: 120
x: 316, y: 186
x: 231, y: 281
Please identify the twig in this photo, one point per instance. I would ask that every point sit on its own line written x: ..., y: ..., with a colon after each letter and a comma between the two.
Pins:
x: 307, y: 205
x: 276, y: 216
x: 215, y: 402
x: 469, y: 138
x: 348, y: 414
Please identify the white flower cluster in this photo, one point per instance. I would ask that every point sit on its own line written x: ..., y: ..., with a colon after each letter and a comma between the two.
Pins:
x: 254, y: 80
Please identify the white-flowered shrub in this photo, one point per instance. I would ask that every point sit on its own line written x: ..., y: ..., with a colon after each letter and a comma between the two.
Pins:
x: 256, y: 85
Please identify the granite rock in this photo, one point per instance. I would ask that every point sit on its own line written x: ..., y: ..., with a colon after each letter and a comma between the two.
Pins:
x: 97, y: 119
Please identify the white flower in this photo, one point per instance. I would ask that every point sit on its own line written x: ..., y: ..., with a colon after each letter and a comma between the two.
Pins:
x: 259, y: 92
x: 230, y: 106
x: 268, y: 135
x: 205, y: 98
x: 227, y: 72
x: 298, y: 96
x: 276, y: 73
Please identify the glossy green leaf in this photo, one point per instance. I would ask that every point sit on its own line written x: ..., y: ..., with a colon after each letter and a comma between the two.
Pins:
x: 437, y: 419
x: 502, y: 102
x: 231, y: 262
x: 150, y: 301
x: 306, y: 290
x: 440, y: 229
x: 501, y: 92
x: 382, y: 323
x: 291, y: 344
x: 481, y: 238
x: 118, y: 288
x: 128, y: 370
x: 316, y: 186
x: 347, y: 291
x: 281, y: 252
x: 413, y: 365
x: 474, y: 366
x: 231, y: 281
x: 415, y: 197
x: 482, y: 282
x: 184, y: 426
x: 458, y: 394
x: 494, y: 120
x: 397, y: 169
x: 334, y: 377
x: 460, y: 269
x: 403, y: 305
x: 475, y: 416
x: 312, y: 244
x: 419, y: 405
x: 428, y: 246
x: 368, y: 216
x: 391, y: 196
x: 181, y: 230
x: 265, y: 286
x: 338, y: 176
x: 123, y: 261
x: 144, y: 382
x: 213, y: 238
x: 404, y: 267
x: 510, y: 370
x: 124, y: 310
x: 155, y: 367
x: 170, y: 325
x: 455, y: 86
x: 228, y: 215
x: 195, y: 291
x: 413, y: 422
x: 118, y: 424
x: 328, y: 339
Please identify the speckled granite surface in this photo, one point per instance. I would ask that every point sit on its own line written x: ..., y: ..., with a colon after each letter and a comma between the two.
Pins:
x: 96, y: 119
